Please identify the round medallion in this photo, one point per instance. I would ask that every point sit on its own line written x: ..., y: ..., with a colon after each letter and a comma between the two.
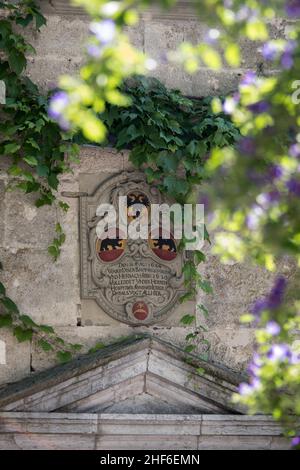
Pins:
x: 140, y: 310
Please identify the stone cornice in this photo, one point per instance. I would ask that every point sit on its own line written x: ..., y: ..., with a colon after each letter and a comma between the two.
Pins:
x: 182, y: 11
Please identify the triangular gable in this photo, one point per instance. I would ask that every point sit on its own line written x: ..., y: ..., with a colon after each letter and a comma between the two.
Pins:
x: 142, y: 374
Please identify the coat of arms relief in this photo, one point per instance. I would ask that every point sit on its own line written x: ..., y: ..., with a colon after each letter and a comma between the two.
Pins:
x: 134, y: 280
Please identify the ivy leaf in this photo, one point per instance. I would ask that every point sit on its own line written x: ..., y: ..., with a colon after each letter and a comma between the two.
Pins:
x: 190, y: 347
x: 27, y: 320
x: 188, y: 296
x: 24, y: 21
x: 199, y: 256
x: 176, y: 186
x: 22, y: 335
x: 96, y: 348
x: 189, y: 271
x: 188, y: 319
x: 40, y: 20
x: 59, y: 340
x: 53, y: 251
x: 204, y: 310
x: 190, y: 336
x: 205, y: 286
x: 9, y: 304
x: 45, y: 345
x: 206, y: 235
x: 76, y: 347
x: 47, y: 329
x: 64, y: 206
x: 53, y: 181
x: 137, y: 156
x: 64, y: 356
x: 5, y: 28
x: 30, y: 160
x: 33, y: 143
x: 17, y: 61
x: 5, y: 320
x: 2, y: 289
x: 42, y: 170
x: 152, y: 175
x: 58, y: 228
x: 168, y: 161
x: 11, y: 148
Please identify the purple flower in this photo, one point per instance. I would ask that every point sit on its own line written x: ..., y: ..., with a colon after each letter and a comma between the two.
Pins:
x: 259, y: 107
x: 249, y: 78
x: 212, y: 36
x: 204, y: 199
x: 104, y: 31
x: 276, y: 295
x: 296, y: 441
x: 245, y: 389
x: 255, y: 365
x: 267, y: 199
x: 279, y: 352
x: 230, y: 103
x: 275, y: 172
x: 292, y: 8
x: 93, y: 50
x: 254, y: 216
x: 295, y: 358
x: 293, y: 186
x: 294, y: 150
x: 269, y: 51
x: 273, y: 300
x: 259, y: 306
x: 247, y: 146
x: 245, y: 13
x: 273, y: 328
x: 59, y: 101
x: 287, y: 60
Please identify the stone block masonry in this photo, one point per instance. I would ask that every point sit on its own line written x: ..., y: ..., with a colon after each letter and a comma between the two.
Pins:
x: 50, y: 292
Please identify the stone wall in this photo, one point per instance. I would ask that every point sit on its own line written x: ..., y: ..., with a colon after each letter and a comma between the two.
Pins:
x: 50, y: 292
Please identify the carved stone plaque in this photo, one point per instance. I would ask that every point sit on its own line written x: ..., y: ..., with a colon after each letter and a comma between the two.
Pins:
x: 135, y: 281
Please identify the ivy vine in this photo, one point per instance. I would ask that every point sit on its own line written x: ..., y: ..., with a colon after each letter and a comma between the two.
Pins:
x: 169, y: 137
x: 37, y: 149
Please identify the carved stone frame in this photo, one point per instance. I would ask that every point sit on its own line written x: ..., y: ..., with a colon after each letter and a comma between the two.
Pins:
x: 95, y: 281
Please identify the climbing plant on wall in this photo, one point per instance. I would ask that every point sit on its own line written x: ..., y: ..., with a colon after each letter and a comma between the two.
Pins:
x: 257, y: 187
x: 170, y: 138
x: 168, y: 134
x: 36, y: 148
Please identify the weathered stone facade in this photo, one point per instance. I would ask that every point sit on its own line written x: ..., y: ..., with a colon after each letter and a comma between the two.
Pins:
x: 50, y: 292
x: 139, y: 394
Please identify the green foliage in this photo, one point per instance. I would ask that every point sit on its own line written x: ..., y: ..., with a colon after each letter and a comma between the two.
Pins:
x: 55, y: 248
x: 25, y: 329
x: 168, y: 135
x: 28, y: 136
x: 36, y: 148
x: 188, y: 319
x: 97, y: 347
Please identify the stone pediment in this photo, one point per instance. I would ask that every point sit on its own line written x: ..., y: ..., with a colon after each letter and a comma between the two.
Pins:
x: 140, y: 375
x: 138, y: 394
